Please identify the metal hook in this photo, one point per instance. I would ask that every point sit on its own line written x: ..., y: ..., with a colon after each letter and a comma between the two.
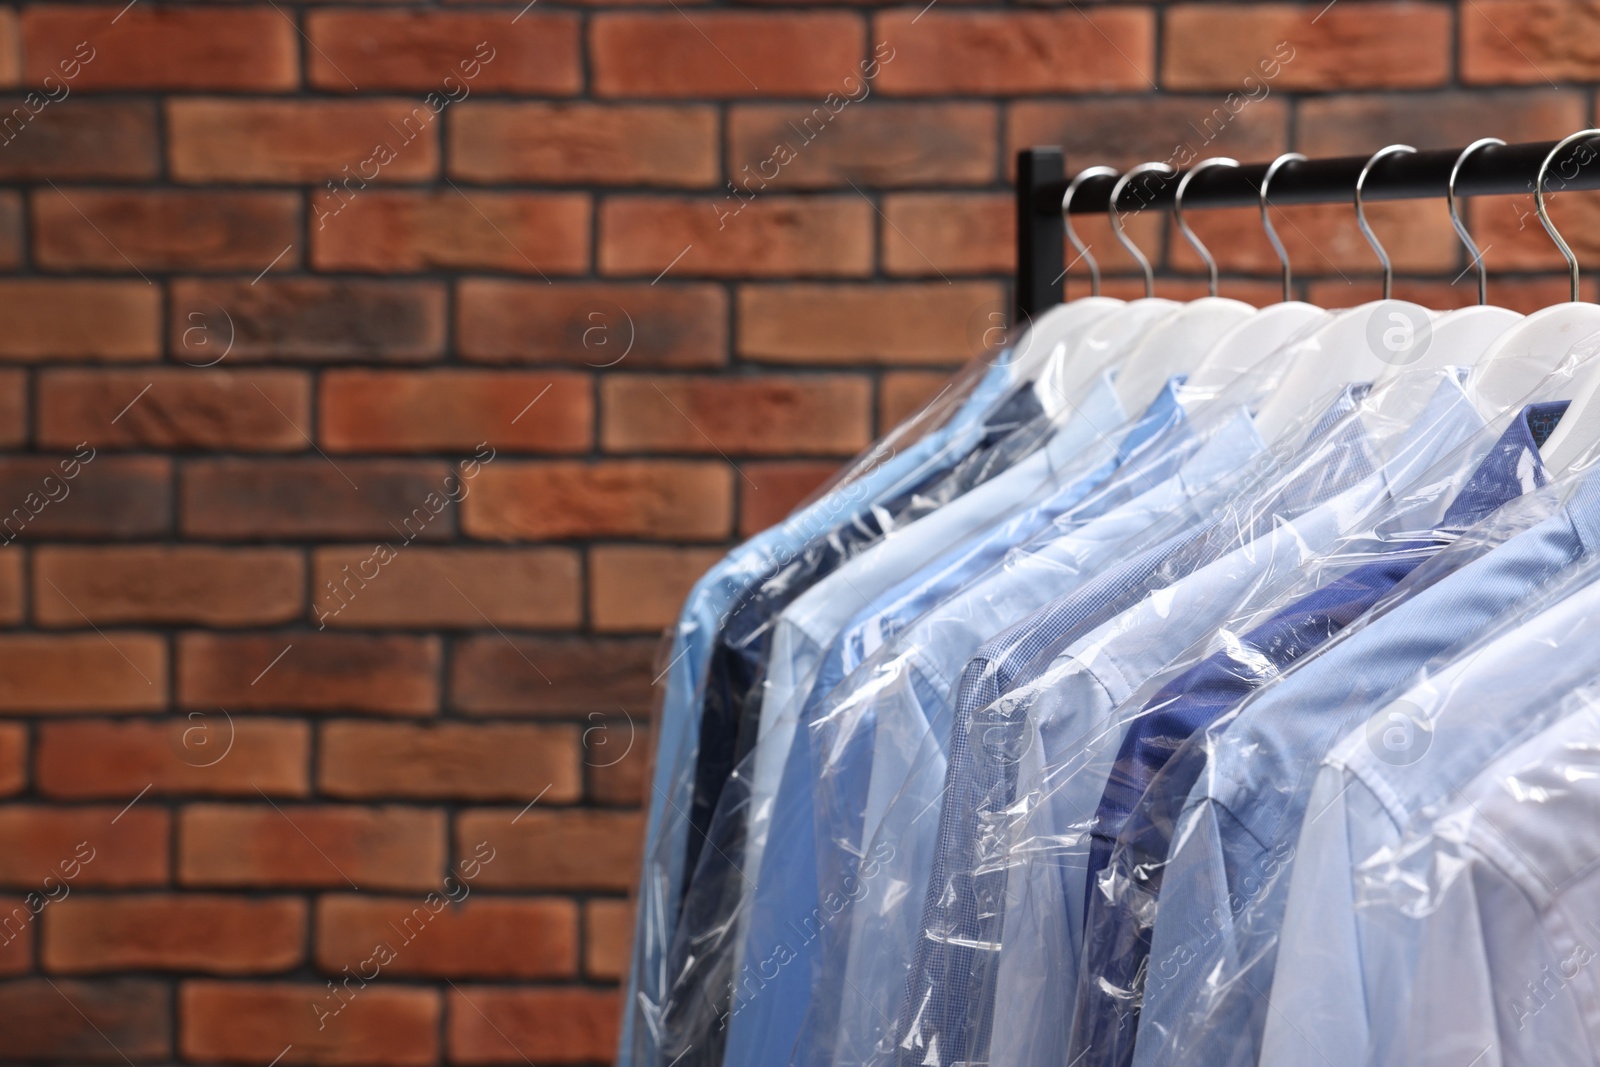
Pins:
x: 1183, y: 226
x: 1066, y: 221
x: 1361, y: 213
x: 1455, y: 215
x: 1544, y: 216
x: 1266, y: 220
x: 1116, y: 219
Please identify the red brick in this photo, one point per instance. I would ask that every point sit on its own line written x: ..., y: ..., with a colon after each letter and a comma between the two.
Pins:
x: 319, y: 499
x: 322, y: 847
x: 491, y: 1024
x: 933, y: 234
x: 190, y: 584
x: 86, y: 1022
x: 13, y: 758
x: 583, y: 144
x: 992, y: 53
x: 319, y: 672
x: 761, y: 416
x: 1300, y: 46
x: 1509, y: 228
x: 1528, y: 42
x: 79, y: 319
x: 616, y: 755
x: 19, y: 926
x: 770, y: 236
x: 594, y: 324
x: 11, y: 588
x: 553, y: 849
x: 455, y: 411
x: 11, y: 237
x: 392, y: 232
x: 163, y: 48
x: 936, y: 322
x: 1350, y: 125
x: 807, y: 146
x: 83, y: 847
x: 608, y: 936
x: 245, y: 1022
x: 777, y: 488
x: 449, y: 54
x: 449, y: 761
x: 500, y: 675
x: 726, y: 54
x: 641, y: 587
x: 302, y: 142
x: 459, y: 588
x: 1526, y: 295
x: 477, y: 938
x: 77, y: 140
x: 116, y: 671
x: 170, y: 932
x: 1323, y: 239
x: 93, y: 496
x: 1173, y: 129
x: 10, y: 47
x: 129, y: 231
x: 206, y: 753
x: 233, y: 411
x: 13, y: 407
x: 902, y: 394
x: 305, y: 319
x: 655, y: 499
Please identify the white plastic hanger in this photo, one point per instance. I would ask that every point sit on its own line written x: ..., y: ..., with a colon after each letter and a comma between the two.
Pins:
x: 1177, y: 343
x: 1242, y: 348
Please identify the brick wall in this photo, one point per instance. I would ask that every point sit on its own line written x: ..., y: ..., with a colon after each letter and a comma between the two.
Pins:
x: 377, y: 378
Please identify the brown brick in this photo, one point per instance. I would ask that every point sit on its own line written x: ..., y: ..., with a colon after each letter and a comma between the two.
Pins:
x: 13, y: 407
x: 77, y: 140
x: 770, y: 236
x: 774, y: 489
x: 11, y: 589
x: 455, y: 411
x: 162, y: 48
x: 13, y: 758
x: 207, y: 753
x: 932, y: 53
x: 10, y: 48
x: 608, y: 935
x: 496, y: 675
x: 258, y: 410
x: 641, y: 587
x: 305, y: 319
x: 1526, y: 295
x: 726, y: 54
x: 599, y: 325
x: 449, y: 761
x: 478, y: 938
x: 902, y: 394
x: 1353, y: 125
x: 1509, y: 228
x: 493, y: 1025
x: 19, y: 931
x: 86, y: 1022
x: 393, y: 232
x: 344, y: 499
x: 318, y: 672
x: 246, y: 1022
x: 458, y: 588
x: 302, y: 142
x: 762, y: 416
x: 93, y: 496
x: 321, y: 847
x: 583, y: 144
x: 1323, y: 239
x: 1300, y: 46
x: 79, y: 319
x: 191, y: 584
x: 1174, y: 129
x: 553, y: 849
x: 934, y: 322
x: 149, y: 230
x: 656, y: 499
x: 83, y: 847
x: 11, y: 239
x: 616, y: 756
x: 115, y: 671
x: 807, y: 146
x: 170, y: 932
x: 1526, y: 42
x: 933, y: 234
x: 448, y: 54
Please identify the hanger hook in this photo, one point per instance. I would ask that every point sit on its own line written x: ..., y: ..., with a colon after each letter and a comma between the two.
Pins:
x: 1455, y: 215
x: 1066, y: 221
x: 1183, y: 226
x: 1116, y: 219
x: 1361, y: 213
x: 1266, y: 220
x: 1544, y: 216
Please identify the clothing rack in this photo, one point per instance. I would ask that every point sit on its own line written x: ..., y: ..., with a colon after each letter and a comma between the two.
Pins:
x: 1041, y: 182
